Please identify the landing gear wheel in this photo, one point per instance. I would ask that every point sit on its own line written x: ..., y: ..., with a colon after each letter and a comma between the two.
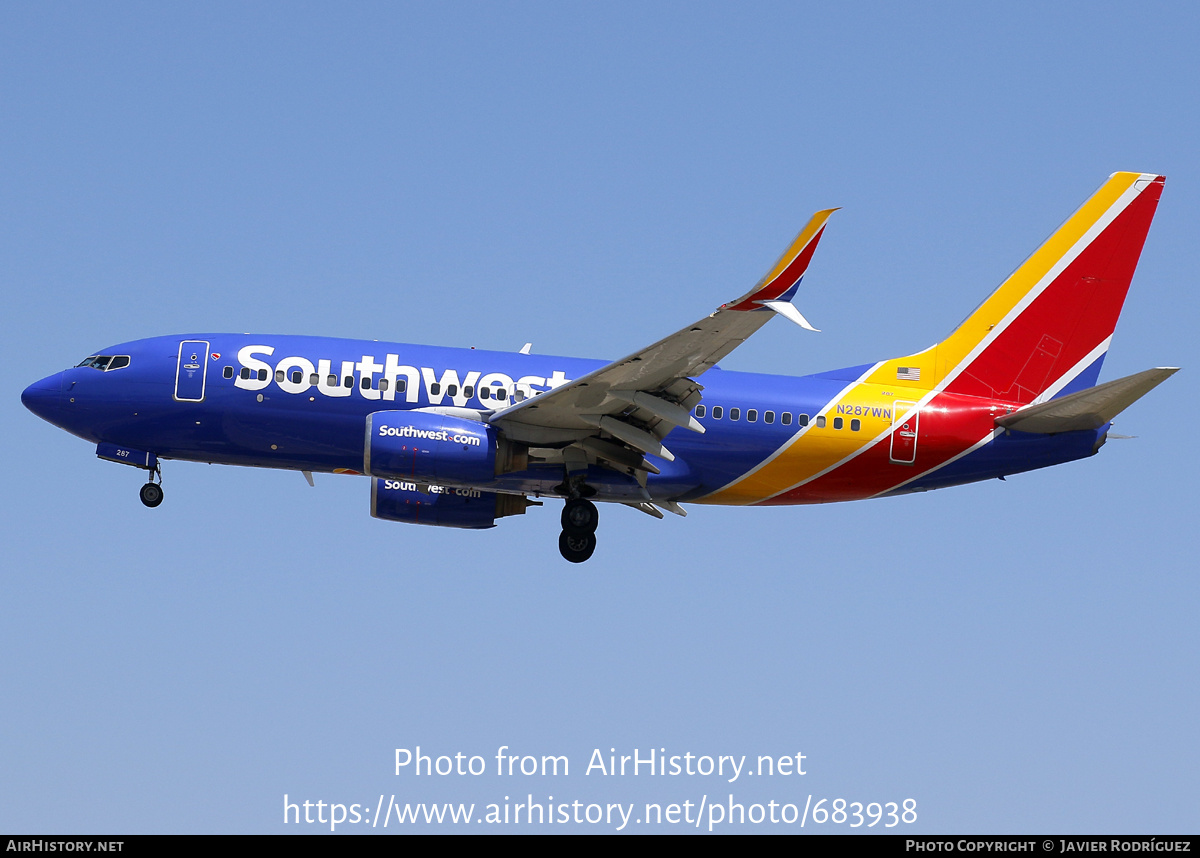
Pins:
x: 151, y: 494
x: 580, y: 516
x: 576, y: 547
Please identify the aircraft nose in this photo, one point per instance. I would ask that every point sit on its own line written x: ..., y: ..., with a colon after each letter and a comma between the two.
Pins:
x: 44, y: 398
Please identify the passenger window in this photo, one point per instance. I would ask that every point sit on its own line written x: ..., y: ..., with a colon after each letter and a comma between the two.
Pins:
x: 803, y: 420
x: 296, y: 376
x: 262, y: 375
x: 821, y: 422
x: 769, y: 417
x: 365, y: 382
x: 837, y: 423
x: 401, y: 385
x: 452, y: 390
x: 717, y: 412
x: 785, y: 418
x: 500, y: 393
x: 348, y: 381
x: 752, y: 415
x: 485, y: 393
x: 469, y: 391
x: 331, y: 381
x: 314, y: 379
x: 855, y: 425
x: 383, y: 384
x: 519, y: 394
x: 228, y: 373
x: 699, y: 410
x: 245, y: 372
x: 279, y: 375
x: 735, y: 413
x: 435, y: 389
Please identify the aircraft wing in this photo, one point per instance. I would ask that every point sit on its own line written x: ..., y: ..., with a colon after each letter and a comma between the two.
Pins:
x: 643, y: 396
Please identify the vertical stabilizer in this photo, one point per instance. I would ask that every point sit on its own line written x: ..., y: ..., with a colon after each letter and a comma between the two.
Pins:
x: 1046, y: 330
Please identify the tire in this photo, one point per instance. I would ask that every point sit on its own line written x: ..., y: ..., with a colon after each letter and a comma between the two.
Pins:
x: 151, y: 494
x: 576, y: 547
x: 580, y: 516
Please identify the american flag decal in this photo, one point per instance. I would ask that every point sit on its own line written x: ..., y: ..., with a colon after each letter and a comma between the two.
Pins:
x: 908, y: 373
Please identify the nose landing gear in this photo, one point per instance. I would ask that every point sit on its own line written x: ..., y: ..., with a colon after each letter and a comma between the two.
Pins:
x: 578, y: 539
x: 152, y: 493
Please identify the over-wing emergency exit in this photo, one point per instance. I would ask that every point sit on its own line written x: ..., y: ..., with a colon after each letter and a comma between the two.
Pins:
x: 462, y: 437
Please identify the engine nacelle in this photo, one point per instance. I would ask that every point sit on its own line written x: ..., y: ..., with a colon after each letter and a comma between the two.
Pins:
x: 427, y: 447
x: 402, y: 500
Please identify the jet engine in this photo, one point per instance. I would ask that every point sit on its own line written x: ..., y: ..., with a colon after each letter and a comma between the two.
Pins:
x: 402, y: 500
x: 429, y: 447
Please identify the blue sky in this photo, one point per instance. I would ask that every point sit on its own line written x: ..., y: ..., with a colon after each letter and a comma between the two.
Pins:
x: 1016, y: 657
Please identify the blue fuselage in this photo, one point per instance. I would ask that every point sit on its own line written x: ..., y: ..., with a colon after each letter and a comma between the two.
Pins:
x: 301, y: 403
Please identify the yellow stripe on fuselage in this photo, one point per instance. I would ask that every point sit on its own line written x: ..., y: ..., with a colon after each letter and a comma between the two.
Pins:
x: 815, y: 449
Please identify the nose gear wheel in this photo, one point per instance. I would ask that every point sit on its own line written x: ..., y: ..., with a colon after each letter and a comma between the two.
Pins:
x: 152, y: 493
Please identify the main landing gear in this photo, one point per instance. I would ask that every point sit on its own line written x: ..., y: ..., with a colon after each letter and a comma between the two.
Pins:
x: 152, y: 493
x: 578, y: 539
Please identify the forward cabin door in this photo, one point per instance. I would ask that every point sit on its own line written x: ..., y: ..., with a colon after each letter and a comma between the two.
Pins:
x: 904, y: 432
x: 190, y: 371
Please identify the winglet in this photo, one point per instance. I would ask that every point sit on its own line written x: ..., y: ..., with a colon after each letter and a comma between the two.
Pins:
x: 788, y: 310
x: 783, y: 279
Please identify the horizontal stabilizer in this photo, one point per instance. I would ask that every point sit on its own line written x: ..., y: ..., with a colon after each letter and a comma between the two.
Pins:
x: 1087, y: 409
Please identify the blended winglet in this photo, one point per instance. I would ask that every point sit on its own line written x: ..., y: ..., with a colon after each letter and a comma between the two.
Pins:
x: 782, y: 281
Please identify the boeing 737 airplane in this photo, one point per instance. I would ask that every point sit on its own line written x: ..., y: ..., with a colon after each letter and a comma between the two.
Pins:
x: 460, y: 437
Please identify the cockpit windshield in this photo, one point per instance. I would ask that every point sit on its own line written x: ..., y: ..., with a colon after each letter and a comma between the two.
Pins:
x: 105, y: 363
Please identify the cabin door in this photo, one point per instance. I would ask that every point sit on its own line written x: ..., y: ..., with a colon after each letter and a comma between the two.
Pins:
x: 190, y: 371
x: 904, y: 432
